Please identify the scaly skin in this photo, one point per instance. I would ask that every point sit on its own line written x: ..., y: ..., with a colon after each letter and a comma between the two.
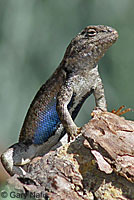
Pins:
x: 59, y: 100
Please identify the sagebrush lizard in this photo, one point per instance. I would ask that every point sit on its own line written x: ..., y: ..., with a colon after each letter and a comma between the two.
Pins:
x: 57, y: 103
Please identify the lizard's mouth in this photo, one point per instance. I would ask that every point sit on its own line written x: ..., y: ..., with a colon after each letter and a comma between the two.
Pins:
x: 103, y: 43
x: 107, y: 39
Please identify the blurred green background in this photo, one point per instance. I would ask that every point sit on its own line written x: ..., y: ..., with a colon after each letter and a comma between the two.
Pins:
x: 33, y: 37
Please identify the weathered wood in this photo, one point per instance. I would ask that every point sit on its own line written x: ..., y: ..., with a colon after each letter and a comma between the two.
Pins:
x: 99, y: 164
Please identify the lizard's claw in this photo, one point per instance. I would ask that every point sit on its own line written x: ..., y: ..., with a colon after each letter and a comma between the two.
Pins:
x: 78, y: 131
x: 71, y: 137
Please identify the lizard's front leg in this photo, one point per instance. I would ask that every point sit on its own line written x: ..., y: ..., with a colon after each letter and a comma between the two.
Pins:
x: 99, y: 94
x: 63, y: 99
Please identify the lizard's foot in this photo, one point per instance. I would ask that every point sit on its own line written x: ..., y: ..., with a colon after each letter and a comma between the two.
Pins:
x: 97, y: 110
x: 71, y: 137
x: 16, y: 157
x: 119, y: 112
x: 8, y: 161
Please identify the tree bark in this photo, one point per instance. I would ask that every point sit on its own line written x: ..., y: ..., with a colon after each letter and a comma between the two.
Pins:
x: 98, y: 164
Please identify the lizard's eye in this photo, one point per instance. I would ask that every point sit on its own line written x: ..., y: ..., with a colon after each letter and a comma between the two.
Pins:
x: 91, y: 32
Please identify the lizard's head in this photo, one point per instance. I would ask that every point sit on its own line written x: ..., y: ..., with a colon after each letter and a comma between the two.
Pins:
x: 91, y: 44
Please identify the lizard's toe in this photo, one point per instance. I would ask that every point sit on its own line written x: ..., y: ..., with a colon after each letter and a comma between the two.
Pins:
x: 78, y: 131
x: 72, y: 136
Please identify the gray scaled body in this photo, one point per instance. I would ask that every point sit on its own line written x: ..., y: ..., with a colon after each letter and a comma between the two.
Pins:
x: 57, y: 103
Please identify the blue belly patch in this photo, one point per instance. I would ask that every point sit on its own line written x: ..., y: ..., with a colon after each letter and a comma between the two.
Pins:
x: 47, y: 123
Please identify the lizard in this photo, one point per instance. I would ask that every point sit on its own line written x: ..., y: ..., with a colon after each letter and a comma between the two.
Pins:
x: 55, y: 106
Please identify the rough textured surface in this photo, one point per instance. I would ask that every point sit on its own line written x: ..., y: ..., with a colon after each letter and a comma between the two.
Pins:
x: 115, y: 136
x: 94, y: 166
